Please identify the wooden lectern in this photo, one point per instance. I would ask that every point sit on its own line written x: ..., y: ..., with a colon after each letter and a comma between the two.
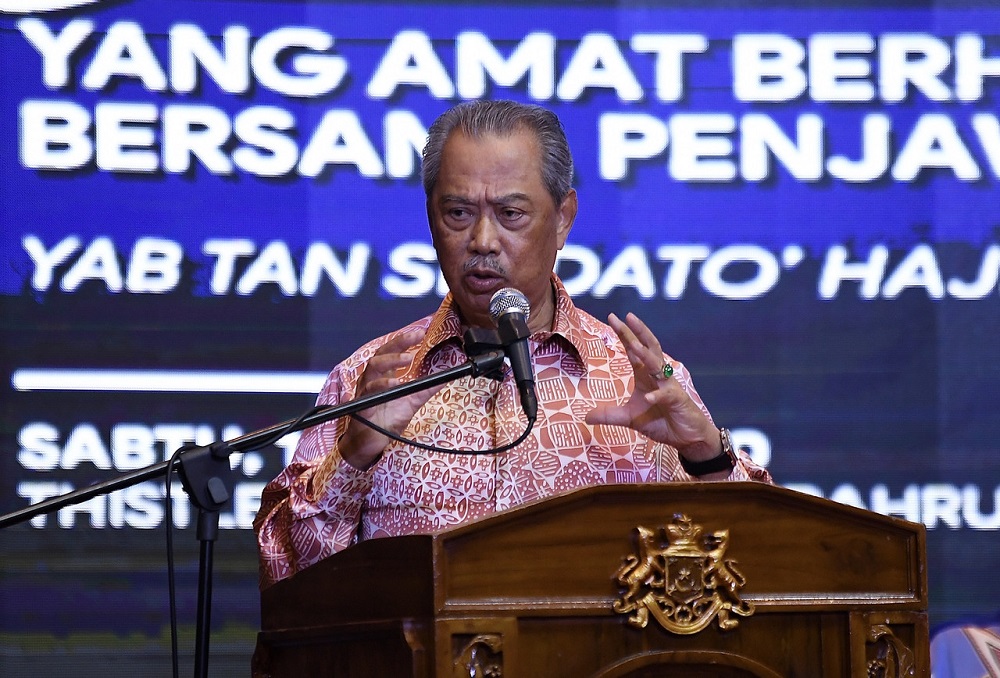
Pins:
x: 700, y: 579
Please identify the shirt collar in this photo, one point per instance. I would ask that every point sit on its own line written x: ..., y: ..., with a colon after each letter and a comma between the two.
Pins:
x: 446, y: 326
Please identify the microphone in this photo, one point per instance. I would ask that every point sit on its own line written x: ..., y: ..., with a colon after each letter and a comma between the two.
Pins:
x: 509, y: 310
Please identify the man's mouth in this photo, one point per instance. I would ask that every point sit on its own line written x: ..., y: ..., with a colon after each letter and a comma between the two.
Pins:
x: 482, y: 280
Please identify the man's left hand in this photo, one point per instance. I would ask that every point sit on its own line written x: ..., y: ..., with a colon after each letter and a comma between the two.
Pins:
x: 659, y: 407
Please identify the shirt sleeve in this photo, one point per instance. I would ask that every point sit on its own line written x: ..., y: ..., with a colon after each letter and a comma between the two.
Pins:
x: 312, y: 509
x: 746, y: 469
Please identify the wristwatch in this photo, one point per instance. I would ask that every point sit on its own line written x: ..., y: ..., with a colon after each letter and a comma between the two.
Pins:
x: 725, y: 461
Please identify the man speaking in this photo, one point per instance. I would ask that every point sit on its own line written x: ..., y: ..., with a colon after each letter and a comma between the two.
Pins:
x: 612, y: 406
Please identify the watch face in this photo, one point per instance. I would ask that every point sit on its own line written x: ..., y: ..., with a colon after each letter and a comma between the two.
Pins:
x: 727, y: 446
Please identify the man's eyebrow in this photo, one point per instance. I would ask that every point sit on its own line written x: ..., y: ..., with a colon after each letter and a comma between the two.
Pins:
x: 449, y: 197
x: 509, y: 198
x: 500, y: 200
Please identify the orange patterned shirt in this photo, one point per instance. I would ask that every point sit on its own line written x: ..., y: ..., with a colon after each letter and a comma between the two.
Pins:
x: 320, y: 504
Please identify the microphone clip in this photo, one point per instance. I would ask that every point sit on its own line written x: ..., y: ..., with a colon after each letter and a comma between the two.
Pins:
x: 480, y: 340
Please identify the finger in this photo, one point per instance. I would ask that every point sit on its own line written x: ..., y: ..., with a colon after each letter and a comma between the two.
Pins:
x: 377, y: 384
x: 380, y: 374
x: 645, y: 359
x: 638, y: 340
x: 609, y: 415
x: 388, y: 364
x: 643, y: 333
x: 623, y: 331
x: 395, y: 414
x: 393, y: 357
x: 651, y: 354
x: 665, y: 394
x: 402, y: 341
x: 633, y: 347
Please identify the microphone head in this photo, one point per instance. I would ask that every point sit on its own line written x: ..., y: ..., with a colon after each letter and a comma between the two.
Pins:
x: 508, y: 299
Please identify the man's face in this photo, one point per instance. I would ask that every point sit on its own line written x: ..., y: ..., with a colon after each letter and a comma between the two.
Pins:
x: 495, y: 225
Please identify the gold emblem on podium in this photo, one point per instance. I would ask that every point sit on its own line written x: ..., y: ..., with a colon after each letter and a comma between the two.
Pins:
x: 682, y: 579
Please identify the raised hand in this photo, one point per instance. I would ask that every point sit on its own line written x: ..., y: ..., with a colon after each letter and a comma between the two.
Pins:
x: 361, y: 445
x: 659, y: 407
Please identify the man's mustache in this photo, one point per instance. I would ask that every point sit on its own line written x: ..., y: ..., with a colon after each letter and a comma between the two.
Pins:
x: 480, y: 261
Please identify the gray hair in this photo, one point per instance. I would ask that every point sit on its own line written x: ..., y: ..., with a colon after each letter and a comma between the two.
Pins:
x: 501, y: 118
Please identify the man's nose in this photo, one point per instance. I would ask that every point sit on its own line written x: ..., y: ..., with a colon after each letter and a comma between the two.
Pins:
x: 484, y: 235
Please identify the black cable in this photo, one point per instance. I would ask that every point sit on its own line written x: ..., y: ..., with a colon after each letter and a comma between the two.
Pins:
x: 434, y: 448
x: 291, y: 426
x: 171, y: 584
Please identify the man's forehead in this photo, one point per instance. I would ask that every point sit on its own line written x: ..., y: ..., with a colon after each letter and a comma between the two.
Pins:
x: 519, y: 148
x: 518, y: 135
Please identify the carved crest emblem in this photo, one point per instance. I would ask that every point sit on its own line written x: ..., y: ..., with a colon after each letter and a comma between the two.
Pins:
x: 682, y: 579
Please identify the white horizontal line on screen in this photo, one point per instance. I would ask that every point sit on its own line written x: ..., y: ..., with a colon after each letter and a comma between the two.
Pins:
x: 166, y: 381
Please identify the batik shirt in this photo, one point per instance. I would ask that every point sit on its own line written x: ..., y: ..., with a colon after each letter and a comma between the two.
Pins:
x: 320, y: 504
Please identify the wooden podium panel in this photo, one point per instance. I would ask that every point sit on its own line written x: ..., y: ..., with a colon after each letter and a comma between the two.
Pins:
x: 807, y: 587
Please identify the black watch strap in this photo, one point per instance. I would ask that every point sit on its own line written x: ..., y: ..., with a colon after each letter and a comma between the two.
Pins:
x: 725, y: 461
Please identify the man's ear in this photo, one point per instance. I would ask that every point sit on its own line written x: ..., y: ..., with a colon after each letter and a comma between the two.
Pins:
x: 566, y: 216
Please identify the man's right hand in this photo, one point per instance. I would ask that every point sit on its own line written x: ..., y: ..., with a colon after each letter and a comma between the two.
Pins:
x: 361, y: 446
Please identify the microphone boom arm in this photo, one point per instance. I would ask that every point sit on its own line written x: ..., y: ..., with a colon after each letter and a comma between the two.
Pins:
x: 476, y: 366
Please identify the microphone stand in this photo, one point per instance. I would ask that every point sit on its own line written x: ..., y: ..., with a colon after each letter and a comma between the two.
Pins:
x: 207, y: 476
